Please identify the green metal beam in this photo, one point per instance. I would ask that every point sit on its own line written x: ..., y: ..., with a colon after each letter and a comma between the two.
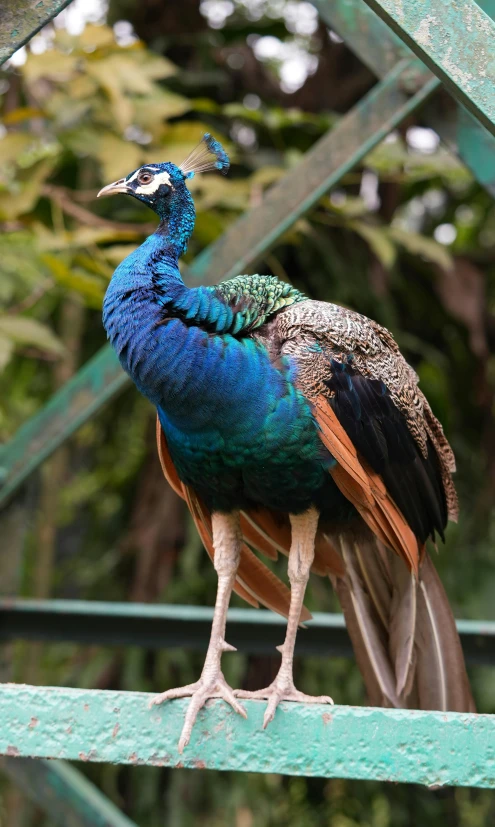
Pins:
x: 429, y: 748
x: 99, y: 380
x: 64, y: 793
x: 379, y: 48
x: 373, y: 42
x: 167, y: 626
x: 455, y: 39
x: 371, y: 120
x: 21, y: 19
x: 380, y: 111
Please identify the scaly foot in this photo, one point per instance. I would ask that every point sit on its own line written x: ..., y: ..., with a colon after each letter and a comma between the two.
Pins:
x: 211, y: 684
x: 282, y: 689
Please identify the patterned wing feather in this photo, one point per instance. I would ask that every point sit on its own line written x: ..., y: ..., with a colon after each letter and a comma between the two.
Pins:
x: 375, y: 421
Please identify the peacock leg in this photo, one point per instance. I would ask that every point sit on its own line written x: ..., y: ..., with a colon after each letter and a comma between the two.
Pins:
x: 302, y: 552
x: 212, y: 684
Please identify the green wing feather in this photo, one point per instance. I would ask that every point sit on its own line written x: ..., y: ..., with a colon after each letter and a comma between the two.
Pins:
x: 255, y: 298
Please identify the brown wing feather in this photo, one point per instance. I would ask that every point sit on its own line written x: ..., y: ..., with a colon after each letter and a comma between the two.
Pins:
x: 275, y: 530
x: 364, y: 488
x: 255, y: 582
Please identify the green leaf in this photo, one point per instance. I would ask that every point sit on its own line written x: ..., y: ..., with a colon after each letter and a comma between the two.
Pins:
x: 27, y: 192
x: 378, y: 240
x: 26, y: 331
x: 12, y: 145
x: 88, y: 286
x: 6, y: 351
x: 420, y: 245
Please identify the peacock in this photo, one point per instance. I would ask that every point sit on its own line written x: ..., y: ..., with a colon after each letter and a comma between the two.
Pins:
x: 291, y: 426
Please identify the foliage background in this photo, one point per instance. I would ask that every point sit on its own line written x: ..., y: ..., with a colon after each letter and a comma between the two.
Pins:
x: 408, y: 239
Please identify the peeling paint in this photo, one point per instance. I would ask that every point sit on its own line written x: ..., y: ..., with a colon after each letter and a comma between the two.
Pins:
x: 422, y: 34
x: 362, y: 743
x: 449, y: 63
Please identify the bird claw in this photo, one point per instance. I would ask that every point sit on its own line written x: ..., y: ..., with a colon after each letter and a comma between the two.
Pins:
x: 281, y: 689
x: 210, y: 685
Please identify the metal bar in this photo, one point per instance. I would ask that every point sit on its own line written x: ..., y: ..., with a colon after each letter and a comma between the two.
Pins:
x: 371, y: 120
x: 488, y: 6
x: 365, y: 33
x: 21, y: 19
x: 379, y: 48
x: 64, y: 793
x: 188, y: 627
x: 78, y: 400
x: 455, y: 39
x: 432, y: 748
x: 243, y: 243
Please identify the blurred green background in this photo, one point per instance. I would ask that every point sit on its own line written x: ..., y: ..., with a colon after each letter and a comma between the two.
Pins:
x: 408, y: 239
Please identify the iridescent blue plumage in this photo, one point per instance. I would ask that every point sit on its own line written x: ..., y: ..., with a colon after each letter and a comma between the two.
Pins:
x: 238, y: 429
x: 296, y: 417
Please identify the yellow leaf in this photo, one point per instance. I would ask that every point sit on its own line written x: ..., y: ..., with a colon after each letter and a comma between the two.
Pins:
x: 95, y: 37
x: 6, y: 351
x: 13, y: 204
x: 161, y: 105
x: 22, y: 113
x: 52, y: 64
x: 122, y: 109
x: 118, y: 252
x: 424, y: 246
x: 88, y: 286
x: 117, y: 157
x: 26, y: 331
x: 378, y: 240
x: 12, y: 144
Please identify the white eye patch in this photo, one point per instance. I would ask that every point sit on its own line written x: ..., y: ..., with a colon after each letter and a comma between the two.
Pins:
x: 148, y: 189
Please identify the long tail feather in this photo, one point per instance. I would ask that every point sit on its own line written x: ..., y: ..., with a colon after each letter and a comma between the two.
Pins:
x: 441, y: 674
x: 404, y: 635
x: 366, y: 629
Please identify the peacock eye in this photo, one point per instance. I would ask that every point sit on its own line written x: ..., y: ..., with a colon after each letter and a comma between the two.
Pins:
x: 145, y: 178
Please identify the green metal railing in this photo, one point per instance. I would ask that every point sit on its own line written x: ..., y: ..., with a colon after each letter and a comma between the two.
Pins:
x: 415, y: 48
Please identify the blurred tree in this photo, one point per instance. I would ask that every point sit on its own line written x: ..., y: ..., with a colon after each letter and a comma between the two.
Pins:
x: 408, y: 239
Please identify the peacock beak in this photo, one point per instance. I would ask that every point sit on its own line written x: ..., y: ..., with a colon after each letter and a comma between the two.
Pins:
x: 113, y: 189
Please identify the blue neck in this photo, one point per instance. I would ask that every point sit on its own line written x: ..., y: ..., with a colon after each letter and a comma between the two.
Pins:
x: 177, y: 217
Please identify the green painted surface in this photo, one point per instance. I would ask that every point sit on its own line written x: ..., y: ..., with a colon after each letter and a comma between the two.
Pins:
x: 99, y: 380
x: 169, y: 626
x: 21, y: 19
x: 384, y: 108
x: 64, y: 793
x: 312, y: 740
x: 380, y: 111
x: 456, y: 40
x: 365, y: 33
x: 488, y: 6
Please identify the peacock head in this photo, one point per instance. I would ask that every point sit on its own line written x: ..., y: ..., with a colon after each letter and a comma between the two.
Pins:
x: 163, y: 186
